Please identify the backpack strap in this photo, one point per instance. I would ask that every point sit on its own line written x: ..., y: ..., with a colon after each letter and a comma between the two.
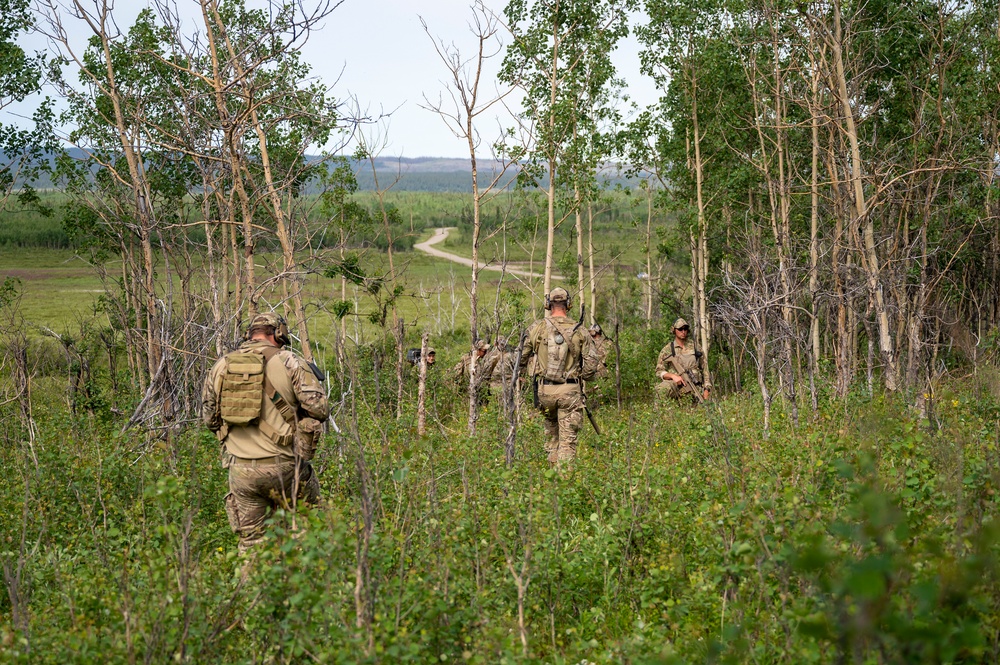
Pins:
x: 284, y: 408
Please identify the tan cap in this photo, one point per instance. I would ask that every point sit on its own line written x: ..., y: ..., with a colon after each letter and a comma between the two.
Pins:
x: 265, y: 320
x: 596, y: 328
x: 271, y: 320
x: 482, y: 345
x: 430, y: 350
x: 558, y: 294
x: 680, y: 323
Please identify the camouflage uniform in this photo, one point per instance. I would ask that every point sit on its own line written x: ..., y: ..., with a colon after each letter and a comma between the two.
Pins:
x: 503, y: 368
x: 459, y: 372
x: 689, y: 359
x: 561, y: 402
x: 602, y: 345
x: 261, y: 457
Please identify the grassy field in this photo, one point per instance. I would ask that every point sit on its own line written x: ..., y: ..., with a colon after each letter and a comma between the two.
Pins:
x: 864, y: 532
x: 681, y: 536
x: 59, y: 287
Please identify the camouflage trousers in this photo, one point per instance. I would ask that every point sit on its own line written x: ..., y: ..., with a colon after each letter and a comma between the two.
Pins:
x: 670, y: 390
x: 258, y: 487
x: 562, y: 407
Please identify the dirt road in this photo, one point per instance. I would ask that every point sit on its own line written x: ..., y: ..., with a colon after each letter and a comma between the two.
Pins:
x: 440, y: 234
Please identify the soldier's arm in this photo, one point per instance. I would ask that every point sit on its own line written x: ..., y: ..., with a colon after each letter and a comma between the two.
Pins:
x: 308, y: 390
x: 457, y: 371
x: 211, y: 413
x: 707, y: 383
x: 490, y: 364
x: 665, y: 370
x: 661, y: 364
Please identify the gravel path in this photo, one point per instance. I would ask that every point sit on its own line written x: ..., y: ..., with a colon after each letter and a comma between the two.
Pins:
x: 427, y: 247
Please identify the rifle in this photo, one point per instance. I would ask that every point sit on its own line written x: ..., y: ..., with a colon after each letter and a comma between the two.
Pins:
x: 687, y: 379
x: 590, y: 414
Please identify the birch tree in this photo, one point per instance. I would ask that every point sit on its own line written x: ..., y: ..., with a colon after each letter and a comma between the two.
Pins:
x: 560, y: 49
x: 462, y: 116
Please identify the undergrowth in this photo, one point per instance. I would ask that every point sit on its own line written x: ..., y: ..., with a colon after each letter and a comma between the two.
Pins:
x: 866, y: 534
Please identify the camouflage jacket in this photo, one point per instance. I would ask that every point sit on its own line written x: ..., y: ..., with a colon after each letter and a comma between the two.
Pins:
x: 292, y: 378
x: 602, y: 346
x: 504, y: 370
x: 688, y: 358
x: 581, y: 361
x: 459, y: 373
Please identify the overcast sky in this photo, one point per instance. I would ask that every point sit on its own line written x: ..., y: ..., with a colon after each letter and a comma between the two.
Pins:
x: 389, y: 60
x: 377, y: 52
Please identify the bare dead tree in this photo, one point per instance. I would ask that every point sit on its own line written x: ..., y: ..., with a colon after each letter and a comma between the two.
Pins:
x: 461, y: 114
x: 422, y: 387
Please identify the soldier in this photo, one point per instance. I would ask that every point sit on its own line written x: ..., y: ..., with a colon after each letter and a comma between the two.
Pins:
x: 504, y: 369
x: 601, y: 344
x: 564, y: 355
x: 680, y: 364
x: 413, y: 356
x: 266, y: 406
x: 485, y: 364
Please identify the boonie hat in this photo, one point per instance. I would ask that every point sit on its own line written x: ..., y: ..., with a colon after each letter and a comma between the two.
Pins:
x: 482, y: 345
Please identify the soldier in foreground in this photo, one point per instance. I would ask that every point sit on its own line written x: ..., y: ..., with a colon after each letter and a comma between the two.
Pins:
x: 681, y: 369
x: 267, y: 407
x: 564, y: 356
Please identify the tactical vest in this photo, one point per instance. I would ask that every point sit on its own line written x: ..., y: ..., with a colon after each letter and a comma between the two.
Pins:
x: 245, y: 386
x: 556, y: 363
x: 694, y: 371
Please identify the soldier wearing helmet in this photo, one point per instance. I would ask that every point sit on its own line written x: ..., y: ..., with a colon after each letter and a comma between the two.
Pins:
x: 266, y: 405
x: 564, y: 355
x: 681, y: 368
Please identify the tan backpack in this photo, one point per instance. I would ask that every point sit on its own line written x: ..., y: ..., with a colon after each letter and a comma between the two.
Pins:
x: 557, y: 348
x: 244, y: 386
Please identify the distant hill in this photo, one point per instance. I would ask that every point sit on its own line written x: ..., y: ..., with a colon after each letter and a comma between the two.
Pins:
x: 407, y: 174
x: 421, y: 174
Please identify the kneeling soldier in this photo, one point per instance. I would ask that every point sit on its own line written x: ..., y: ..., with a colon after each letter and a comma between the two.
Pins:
x: 680, y: 365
